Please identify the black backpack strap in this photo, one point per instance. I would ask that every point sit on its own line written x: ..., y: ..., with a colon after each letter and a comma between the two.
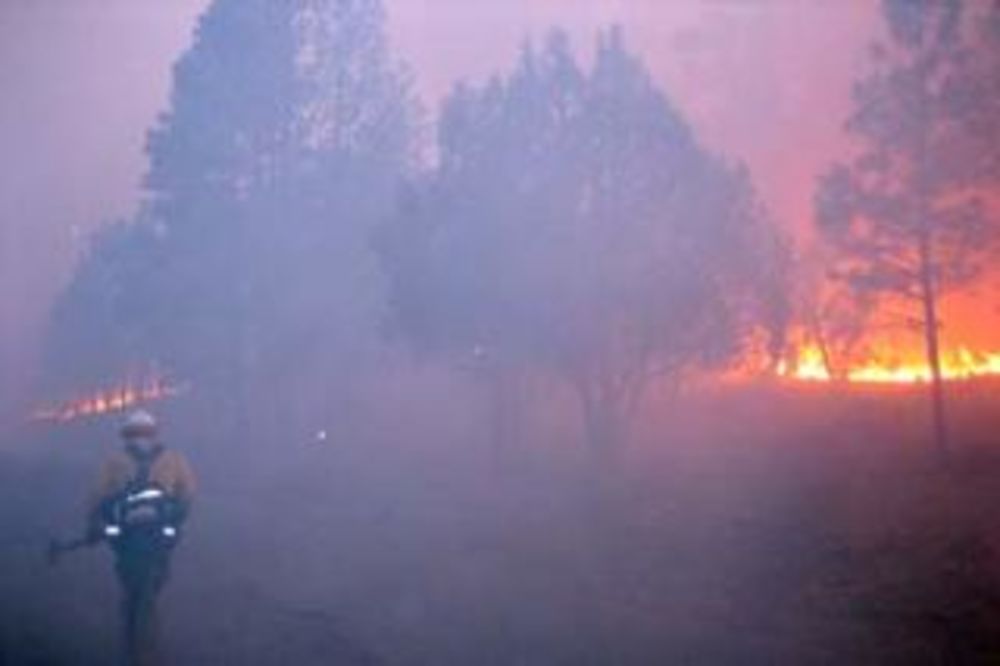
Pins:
x: 144, y: 461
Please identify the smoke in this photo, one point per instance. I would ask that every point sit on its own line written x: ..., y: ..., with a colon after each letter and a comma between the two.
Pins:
x: 53, y: 195
x: 474, y: 411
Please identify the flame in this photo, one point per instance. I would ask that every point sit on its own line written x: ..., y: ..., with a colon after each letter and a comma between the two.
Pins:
x: 106, y: 401
x: 960, y: 364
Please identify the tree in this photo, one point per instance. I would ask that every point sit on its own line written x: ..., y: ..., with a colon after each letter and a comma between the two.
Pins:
x: 575, y: 226
x: 908, y: 222
x: 836, y: 323
x: 973, y: 94
x: 835, y: 318
x: 248, y: 269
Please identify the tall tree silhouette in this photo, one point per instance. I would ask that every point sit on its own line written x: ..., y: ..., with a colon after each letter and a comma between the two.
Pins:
x: 905, y: 214
x: 248, y: 268
x: 576, y: 226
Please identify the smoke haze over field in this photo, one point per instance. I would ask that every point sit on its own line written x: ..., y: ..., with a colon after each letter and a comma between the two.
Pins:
x: 533, y: 332
x: 763, y: 82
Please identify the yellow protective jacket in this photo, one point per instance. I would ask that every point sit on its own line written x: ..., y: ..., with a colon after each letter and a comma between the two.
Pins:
x: 170, y: 471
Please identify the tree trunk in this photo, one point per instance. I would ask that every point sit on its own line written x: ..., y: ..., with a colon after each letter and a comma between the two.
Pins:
x: 606, y: 417
x: 602, y: 427
x: 928, y: 288
x: 928, y: 297
x: 819, y: 335
x: 505, y: 412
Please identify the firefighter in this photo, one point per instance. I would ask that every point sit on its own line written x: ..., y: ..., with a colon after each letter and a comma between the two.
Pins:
x: 139, y: 506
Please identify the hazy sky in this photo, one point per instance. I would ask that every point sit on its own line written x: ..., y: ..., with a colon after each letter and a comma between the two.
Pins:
x: 766, y: 81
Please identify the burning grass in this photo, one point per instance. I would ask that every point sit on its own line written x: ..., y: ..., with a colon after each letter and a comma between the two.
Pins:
x: 960, y: 364
x: 122, y: 396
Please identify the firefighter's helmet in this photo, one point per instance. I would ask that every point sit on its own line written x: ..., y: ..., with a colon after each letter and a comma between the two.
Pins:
x: 139, y: 423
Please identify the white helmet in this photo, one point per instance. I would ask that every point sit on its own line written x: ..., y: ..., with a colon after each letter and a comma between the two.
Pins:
x: 139, y: 423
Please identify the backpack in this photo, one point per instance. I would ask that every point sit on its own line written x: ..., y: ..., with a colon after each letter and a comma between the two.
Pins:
x: 142, y: 506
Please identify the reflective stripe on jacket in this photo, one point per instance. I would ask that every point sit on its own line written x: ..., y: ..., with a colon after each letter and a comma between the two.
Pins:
x: 170, y: 472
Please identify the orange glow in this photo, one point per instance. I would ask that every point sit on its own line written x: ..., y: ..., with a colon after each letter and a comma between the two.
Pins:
x: 106, y: 401
x: 956, y: 365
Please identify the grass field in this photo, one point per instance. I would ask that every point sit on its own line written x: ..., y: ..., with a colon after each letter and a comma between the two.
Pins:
x: 749, y: 525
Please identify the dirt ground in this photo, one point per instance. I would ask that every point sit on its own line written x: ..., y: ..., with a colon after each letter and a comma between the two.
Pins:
x: 754, y: 525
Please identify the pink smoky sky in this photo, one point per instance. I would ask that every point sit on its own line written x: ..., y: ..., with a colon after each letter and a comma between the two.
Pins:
x: 763, y: 81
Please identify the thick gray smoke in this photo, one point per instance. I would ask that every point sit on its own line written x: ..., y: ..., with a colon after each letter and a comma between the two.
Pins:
x: 486, y: 382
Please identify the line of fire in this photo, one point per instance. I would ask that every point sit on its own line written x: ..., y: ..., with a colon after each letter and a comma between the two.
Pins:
x: 806, y: 363
x: 957, y: 365
x: 120, y: 396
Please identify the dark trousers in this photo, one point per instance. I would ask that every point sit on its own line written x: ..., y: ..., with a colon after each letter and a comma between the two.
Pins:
x: 142, y: 562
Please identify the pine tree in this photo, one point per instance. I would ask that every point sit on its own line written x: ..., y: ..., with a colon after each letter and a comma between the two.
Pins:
x: 905, y: 215
x: 247, y: 270
x: 576, y: 227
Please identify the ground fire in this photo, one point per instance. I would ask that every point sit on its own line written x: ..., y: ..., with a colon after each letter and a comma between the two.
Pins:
x: 808, y: 367
x: 121, y: 396
x: 958, y: 364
